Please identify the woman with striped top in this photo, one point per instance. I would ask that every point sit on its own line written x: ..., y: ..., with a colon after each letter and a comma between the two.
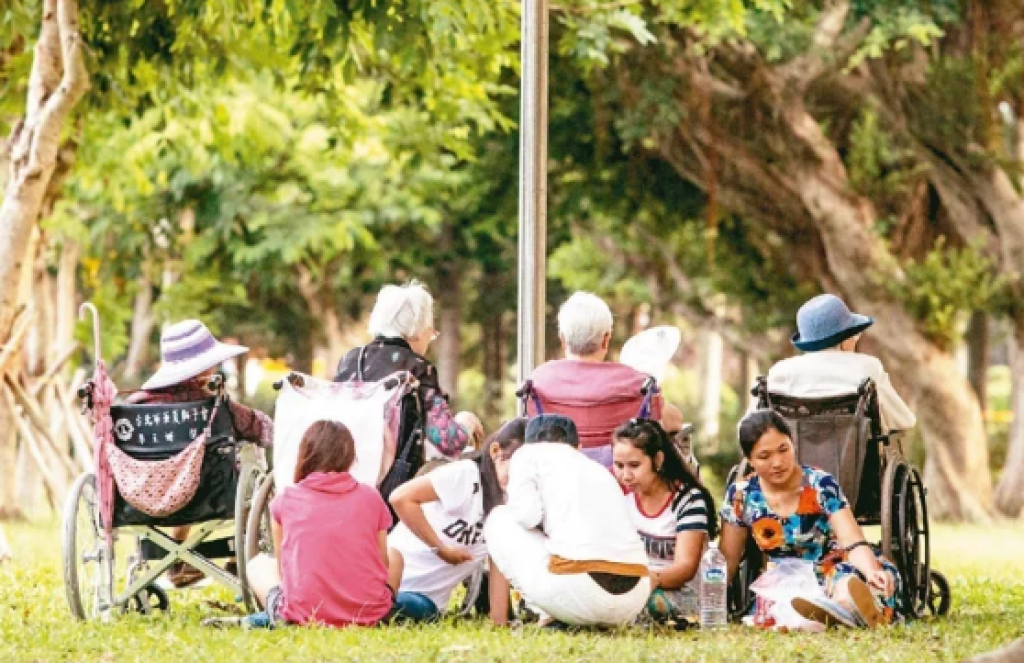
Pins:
x: 673, y: 512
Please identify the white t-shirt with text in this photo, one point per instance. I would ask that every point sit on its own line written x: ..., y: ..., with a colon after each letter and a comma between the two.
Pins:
x: 457, y: 518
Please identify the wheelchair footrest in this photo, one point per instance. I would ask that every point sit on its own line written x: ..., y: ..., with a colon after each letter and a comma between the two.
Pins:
x: 216, y: 549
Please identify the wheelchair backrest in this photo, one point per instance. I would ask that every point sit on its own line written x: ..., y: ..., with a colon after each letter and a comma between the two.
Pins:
x: 162, y: 429
x: 836, y: 434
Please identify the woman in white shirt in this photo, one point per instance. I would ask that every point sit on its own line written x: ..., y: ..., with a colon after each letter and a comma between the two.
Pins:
x: 672, y: 511
x: 440, y: 541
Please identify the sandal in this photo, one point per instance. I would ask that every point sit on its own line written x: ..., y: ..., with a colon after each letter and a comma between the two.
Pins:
x: 824, y: 611
x: 867, y: 605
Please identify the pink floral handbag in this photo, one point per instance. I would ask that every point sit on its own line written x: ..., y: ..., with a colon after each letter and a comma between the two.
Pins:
x: 160, y: 488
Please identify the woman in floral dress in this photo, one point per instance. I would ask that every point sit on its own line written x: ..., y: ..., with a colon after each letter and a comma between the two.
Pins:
x: 800, y: 512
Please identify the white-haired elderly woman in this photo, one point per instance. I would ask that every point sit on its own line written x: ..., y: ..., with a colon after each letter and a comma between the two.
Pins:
x: 402, y: 325
x: 599, y: 396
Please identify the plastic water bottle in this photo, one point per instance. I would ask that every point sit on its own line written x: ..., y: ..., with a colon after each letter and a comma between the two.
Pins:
x: 714, y: 610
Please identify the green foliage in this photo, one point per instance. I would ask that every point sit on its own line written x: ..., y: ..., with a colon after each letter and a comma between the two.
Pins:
x: 947, y: 284
x: 952, y: 84
x: 896, y: 25
x: 878, y: 167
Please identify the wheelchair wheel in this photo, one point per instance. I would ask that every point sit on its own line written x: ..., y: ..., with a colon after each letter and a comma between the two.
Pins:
x: 258, y: 536
x: 248, y: 484
x: 146, y: 600
x: 940, y: 598
x: 87, y: 560
x: 905, y: 533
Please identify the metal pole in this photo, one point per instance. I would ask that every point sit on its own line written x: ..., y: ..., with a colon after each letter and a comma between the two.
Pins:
x: 533, y: 190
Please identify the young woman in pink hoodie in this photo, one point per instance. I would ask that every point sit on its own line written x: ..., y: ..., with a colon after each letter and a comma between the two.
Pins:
x: 330, y: 540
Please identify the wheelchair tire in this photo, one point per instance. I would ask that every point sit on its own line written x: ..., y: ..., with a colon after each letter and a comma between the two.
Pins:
x: 88, y: 562
x: 940, y: 598
x: 248, y: 484
x: 146, y: 600
x: 258, y: 536
x: 906, y: 534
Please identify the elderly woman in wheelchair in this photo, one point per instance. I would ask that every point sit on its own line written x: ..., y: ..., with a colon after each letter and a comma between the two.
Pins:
x: 191, y: 357
x: 177, y: 455
x: 800, y: 512
x: 402, y: 326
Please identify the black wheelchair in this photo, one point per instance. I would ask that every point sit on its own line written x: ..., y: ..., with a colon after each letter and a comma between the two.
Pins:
x: 843, y: 436
x: 104, y: 578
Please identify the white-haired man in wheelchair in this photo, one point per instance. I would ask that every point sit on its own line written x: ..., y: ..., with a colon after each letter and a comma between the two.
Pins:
x: 597, y: 395
x: 827, y: 332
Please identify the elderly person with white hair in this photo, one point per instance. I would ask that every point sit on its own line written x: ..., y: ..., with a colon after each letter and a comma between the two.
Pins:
x: 402, y: 325
x: 598, y: 395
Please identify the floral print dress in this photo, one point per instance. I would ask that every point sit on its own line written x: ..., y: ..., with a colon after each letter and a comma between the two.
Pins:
x: 806, y: 534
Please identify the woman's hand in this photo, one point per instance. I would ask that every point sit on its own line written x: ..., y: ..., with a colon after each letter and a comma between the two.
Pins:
x: 882, y: 580
x: 454, y: 556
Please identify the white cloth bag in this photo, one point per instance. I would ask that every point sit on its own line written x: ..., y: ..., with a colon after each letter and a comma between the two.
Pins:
x: 369, y: 410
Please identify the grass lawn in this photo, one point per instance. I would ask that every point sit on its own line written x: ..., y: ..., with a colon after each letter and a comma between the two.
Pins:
x: 983, y: 564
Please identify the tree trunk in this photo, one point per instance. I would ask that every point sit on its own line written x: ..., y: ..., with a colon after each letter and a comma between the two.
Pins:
x: 792, y: 177
x: 143, y: 322
x: 449, y: 344
x: 494, y: 367
x: 57, y: 82
x: 1009, y: 496
x: 748, y: 373
x: 336, y: 344
x: 711, y: 390
x: 67, y: 296
x: 977, y: 356
x: 948, y: 414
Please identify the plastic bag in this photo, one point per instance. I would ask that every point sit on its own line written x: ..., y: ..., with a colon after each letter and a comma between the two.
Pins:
x: 776, y: 589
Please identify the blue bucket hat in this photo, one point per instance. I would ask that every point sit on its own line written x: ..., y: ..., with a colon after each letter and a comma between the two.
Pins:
x: 552, y: 428
x: 825, y: 322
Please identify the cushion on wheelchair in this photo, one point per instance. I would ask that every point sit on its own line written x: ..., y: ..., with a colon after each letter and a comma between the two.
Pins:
x: 158, y: 432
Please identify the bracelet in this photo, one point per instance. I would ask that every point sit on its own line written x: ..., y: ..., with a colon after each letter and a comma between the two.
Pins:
x: 853, y: 546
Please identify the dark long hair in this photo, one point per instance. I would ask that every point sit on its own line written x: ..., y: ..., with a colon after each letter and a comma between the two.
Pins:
x: 327, y: 446
x: 508, y: 438
x: 753, y: 427
x: 648, y: 436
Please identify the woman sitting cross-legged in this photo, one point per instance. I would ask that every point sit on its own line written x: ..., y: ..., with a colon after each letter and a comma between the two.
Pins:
x: 330, y: 540
x: 673, y: 512
x: 440, y: 541
x: 800, y: 512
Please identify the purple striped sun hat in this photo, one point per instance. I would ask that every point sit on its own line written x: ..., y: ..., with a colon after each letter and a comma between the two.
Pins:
x: 187, y: 348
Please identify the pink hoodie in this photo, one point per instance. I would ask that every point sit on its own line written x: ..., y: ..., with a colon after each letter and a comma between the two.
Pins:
x: 332, y: 571
x: 597, y: 396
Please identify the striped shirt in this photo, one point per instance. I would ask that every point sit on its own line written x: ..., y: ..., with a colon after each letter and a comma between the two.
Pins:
x: 685, y: 511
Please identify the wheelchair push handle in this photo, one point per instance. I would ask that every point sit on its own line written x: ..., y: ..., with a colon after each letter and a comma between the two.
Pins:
x: 89, y: 307
x: 294, y: 379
